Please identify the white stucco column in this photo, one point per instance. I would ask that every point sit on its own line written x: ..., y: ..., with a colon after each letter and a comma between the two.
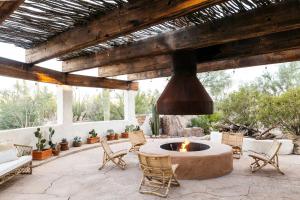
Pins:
x: 129, y: 106
x: 64, y: 105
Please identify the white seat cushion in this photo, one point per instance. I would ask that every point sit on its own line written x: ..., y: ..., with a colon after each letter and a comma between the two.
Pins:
x: 8, y: 152
x: 9, y: 166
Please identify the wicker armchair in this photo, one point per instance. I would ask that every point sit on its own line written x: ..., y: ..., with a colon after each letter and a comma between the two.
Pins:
x: 109, y: 155
x: 24, y: 168
x: 271, y: 157
x: 137, y: 139
x: 235, y: 140
x: 158, y: 174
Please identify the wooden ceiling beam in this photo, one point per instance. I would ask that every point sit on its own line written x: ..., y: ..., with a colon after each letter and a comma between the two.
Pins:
x: 134, y: 16
x: 7, y: 8
x: 262, y: 21
x: 276, y: 42
x: 232, y: 63
x: 136, y: 66
x: 25, y: 71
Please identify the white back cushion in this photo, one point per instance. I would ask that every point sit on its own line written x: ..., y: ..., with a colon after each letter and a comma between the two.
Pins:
x: 8, y: 153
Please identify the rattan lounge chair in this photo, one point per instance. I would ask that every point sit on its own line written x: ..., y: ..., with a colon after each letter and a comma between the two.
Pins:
x: 115, y: 157
x: 235, y: 140
x: 137, y: 139
x: 158, y: 174
x: 271, y: 157
x: 21, y: 166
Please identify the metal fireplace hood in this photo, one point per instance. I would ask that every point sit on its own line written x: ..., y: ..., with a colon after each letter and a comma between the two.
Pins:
x: 184, y: 94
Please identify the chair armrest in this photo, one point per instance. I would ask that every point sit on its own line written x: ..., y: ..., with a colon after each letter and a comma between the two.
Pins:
x: 23, y: 150
x: 118, y: 153
x: 259, y: 156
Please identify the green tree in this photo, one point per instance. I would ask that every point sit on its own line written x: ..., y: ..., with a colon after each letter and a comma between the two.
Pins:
x: 21, y: 107
x: 240, y: 107
x: 285, y: 78
x: 145, y: 100
x: 282, y: 110
x: 215, y: 82
x: 117, y: 107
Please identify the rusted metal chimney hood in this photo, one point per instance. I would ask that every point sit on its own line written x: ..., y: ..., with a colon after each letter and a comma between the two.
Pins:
x: 184, y: 94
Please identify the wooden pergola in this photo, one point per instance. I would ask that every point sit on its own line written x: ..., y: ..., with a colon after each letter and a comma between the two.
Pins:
x: 137, y: 38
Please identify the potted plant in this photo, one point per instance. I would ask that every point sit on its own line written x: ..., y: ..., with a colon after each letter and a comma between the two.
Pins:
x: 128, y: 129
x: 117, y: 136
x: 54, y: 146
x: 110, y: 134
x: 93, y: 138
x: 136, y: 128
x: 77, y: 141
x: 40, y: 153
x: 64, y: 144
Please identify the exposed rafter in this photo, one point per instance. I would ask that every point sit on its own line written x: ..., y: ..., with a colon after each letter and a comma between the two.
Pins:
x: 233, y: 63
x: 238, y: 49
x: 7, y: 8
x: 136, y: 65
x: 25, y: 71
x: 262, y: 21
x: 132, y: 17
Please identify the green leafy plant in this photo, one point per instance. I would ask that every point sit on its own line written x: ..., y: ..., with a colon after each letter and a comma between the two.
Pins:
x: 154, y: 121
x: 129, y: 128
x: 206, y: 122
x: 64, y: 140
x: 93, y: 133
x: 137, y: 128
x: 110, y: 131
x: 77, y: 139
x: 41, y: 143
x: 51, y: 133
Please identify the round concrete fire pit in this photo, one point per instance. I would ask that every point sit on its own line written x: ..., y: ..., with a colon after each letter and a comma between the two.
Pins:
x: 204, y: 160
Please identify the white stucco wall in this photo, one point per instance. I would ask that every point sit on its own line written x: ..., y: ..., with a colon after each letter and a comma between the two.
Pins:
x: 259, y: 146
x: 25, y: 135
x: 65, y: 128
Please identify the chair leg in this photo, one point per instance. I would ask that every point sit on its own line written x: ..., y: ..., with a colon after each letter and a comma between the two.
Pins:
x: 275, y: 164
x: 255, y: 166
x: 164, y: 186
x: 105, y: 160
x: 119, y: 162
x: 175, y: 182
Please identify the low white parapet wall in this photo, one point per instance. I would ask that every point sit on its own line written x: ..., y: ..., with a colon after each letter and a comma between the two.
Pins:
x: 26, y: 135
x: 262, y: 146
x: 259, y: 146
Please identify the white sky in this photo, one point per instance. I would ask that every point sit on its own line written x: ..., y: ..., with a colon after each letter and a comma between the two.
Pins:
x: 239, y: 76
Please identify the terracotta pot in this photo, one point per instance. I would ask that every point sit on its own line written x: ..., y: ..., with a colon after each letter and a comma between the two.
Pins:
x: 64, y: 146
x: 77, y: 144
x: 124, y: 135
x: 110, y: 137
x: 41, y: 155
x: 117, y: 136
x: 92, y: 140
x: 55, y: 152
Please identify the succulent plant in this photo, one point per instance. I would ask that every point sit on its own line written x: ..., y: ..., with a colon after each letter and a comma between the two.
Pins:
x: 154, y: 121
x: 51, y: 133
x: 129, y: 128
x: 77, y: 139
x: 64, y: 140
x: 93, y: 133
x: 41, y: 143
x: 110, y: 131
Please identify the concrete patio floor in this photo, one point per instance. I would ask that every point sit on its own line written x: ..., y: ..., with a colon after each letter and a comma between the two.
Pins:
x: 76, y: 177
